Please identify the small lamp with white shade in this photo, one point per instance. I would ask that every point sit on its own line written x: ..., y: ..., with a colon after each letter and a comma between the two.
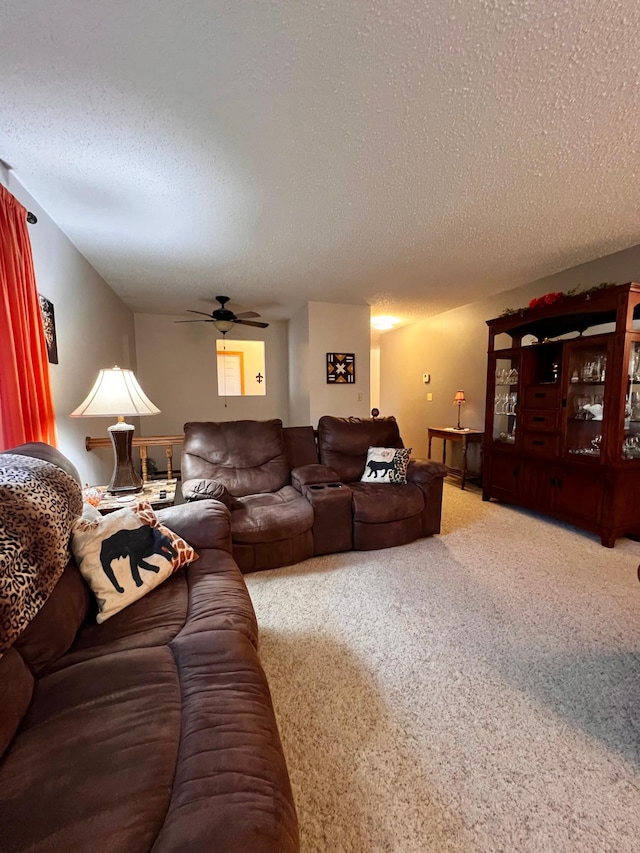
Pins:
x: 117, y: 392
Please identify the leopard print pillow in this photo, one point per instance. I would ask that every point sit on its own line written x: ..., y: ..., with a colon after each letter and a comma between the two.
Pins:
x: 38, y: 505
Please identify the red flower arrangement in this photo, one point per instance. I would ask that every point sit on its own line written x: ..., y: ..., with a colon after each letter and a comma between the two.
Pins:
x: 547, y: 299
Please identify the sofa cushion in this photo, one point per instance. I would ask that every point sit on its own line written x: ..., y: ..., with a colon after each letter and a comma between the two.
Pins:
x: 300, y: 446
x: 343, y: 442
x: 126, y: 554
x: 93, y: 766
x: 16, y: 687
x: 51, y: 633
x: 211, y: 594
x: 248, y: 457
x: 270, y: 517
x: 378, y: 503
x: 231, y: 789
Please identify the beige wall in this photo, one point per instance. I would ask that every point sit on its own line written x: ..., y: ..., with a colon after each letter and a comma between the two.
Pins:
x: 299, y: 386
x: 177, y: 370
x: 452, y: 347
x: 319, y: 328
x: 94, y: 329
x: 339, y: 328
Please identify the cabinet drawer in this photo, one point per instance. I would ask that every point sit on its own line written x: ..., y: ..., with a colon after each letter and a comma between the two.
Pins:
x: 540, y: 444
x: 542, y: 397
x: 540, y: 420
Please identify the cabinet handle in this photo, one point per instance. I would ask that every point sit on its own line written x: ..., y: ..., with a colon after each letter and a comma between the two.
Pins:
x: 539, y: 420
x: 537, y: 442
x: 553, y: 481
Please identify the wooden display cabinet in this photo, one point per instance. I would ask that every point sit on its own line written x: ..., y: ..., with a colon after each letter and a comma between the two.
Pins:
x: 562, y: 429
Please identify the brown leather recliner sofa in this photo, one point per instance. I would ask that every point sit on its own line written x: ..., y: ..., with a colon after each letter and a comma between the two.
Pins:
x: 291, y: 499
x: 384, y: 515
x: 245, y: 464
x: 153, y: 731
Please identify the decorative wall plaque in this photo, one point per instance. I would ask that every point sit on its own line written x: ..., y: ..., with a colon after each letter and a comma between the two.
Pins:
x: 341, y: 368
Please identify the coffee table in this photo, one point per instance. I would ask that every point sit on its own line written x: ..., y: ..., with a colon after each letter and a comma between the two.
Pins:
x: 159, y: 493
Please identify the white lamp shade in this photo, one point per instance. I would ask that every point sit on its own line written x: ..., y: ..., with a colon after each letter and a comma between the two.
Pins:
x: 115, y: 392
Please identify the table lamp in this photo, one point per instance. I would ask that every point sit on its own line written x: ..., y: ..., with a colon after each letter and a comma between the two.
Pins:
x: 117, y: 392
x: 458, y: 400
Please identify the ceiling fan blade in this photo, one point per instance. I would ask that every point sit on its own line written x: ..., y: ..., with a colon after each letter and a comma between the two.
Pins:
x: 252, y: 323
x: 246, y: 314
x: 191, y: 311
x: 193, y: 321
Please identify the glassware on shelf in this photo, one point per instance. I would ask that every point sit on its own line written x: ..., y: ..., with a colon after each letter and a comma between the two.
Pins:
x: 631, y: 447
x: 588, y: 407
x: 591, y: 449
x: 591, y: 371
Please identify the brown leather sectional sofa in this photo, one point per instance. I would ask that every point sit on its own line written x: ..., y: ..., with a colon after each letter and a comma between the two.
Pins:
x: 293, y: 496
x: 153, y: 731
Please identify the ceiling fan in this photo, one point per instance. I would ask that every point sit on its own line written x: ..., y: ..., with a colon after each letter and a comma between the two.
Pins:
x: 224, y: 319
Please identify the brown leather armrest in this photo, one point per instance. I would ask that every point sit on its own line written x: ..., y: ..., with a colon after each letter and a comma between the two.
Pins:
x: 202, y: 488
x: 204, y: 524
x: 316, y: 473
x: 422, y: 472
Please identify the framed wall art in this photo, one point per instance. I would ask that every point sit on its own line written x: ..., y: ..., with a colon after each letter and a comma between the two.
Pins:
x: 49, y: 323
x: 341, y: 368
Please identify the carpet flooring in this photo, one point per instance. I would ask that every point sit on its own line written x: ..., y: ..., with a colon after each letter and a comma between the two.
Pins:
x: 475, y: 691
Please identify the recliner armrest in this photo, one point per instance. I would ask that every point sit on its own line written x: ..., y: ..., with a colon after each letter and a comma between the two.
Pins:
x: 422, y: 472
x: 202, y: 488
x: 305, y: 475
x: 204, y: 524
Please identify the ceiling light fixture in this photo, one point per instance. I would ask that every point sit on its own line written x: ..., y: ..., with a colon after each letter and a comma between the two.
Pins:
x: 384, y: 323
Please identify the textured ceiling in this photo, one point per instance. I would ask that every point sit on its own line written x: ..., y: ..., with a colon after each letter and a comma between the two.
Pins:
x: 409, y: 154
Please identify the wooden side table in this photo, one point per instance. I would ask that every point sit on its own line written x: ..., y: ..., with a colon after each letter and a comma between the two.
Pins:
x: 151, y: 492
x: 462, y: 436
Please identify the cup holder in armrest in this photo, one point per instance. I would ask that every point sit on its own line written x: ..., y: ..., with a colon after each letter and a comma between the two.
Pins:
x: 334, y: 485
x: 316, y: 487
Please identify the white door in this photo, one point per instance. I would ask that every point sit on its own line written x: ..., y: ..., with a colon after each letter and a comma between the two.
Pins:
x: 230, y: 374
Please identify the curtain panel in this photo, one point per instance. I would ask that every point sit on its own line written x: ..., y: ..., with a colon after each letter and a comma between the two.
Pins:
x: 26, y: 402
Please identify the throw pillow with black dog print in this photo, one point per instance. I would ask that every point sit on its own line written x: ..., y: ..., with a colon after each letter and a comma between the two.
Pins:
x: 125, y: 554
x: 386, y: 465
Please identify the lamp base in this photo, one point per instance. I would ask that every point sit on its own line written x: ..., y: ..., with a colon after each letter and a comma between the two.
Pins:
x: 124, y: 479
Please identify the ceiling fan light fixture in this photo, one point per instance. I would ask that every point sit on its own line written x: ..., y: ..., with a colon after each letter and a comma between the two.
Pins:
x: 223, y: 326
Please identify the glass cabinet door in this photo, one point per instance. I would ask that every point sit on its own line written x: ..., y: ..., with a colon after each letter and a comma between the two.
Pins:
x: 587, y: 369
x: 631, y: 437
x: 505, y: 400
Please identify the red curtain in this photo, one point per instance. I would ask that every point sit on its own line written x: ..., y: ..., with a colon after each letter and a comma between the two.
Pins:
x: 26, y: 402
